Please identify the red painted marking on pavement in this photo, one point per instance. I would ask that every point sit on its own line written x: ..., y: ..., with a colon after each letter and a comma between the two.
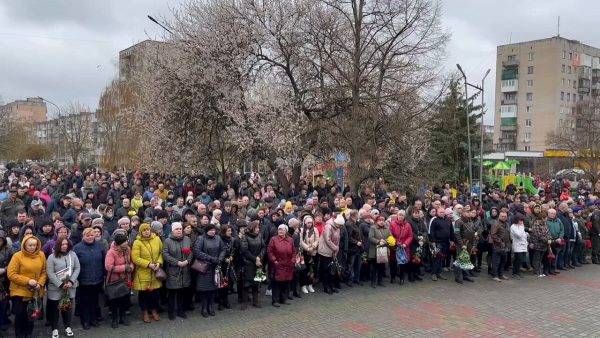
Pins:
x: 417, y: 319
x: 358, y: 328
x: 561, y: 318
x: 432, y: 308
x: 465, y: 311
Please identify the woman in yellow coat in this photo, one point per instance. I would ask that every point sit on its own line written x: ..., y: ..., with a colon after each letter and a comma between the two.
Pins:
x: 26, y: 272
x: 146, y: 254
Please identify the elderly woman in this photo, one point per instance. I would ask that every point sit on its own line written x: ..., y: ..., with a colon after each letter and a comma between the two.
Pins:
x: 378, y: 234
x: 309, y: 242
x: 282, y: 258
x: 252, y: 249
x: 90, y: 253
x: 147, y: 257
x: 178, y: 256
x: 26, y: 272
x: 63, y: 270
x: 119, y: 266
x: 211, y: 250
x: 329, y: 246
x: 402, y: 232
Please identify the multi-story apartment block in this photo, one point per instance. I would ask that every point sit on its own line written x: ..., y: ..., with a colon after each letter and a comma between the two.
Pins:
x: 538, y: 85
x: 31, y: 110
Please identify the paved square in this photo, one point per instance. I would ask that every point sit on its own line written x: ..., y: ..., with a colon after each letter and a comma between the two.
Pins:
x: 562, y: 306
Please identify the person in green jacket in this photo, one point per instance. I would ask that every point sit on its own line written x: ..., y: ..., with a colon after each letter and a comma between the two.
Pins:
x: 557, y: 231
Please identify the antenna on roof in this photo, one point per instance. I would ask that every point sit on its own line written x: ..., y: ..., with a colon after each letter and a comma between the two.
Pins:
x: 510, y: 38
x: 558, y: 28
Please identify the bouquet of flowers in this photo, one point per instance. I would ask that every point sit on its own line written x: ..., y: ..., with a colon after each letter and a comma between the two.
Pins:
x: 416, y: 260
x: 131, y: 213
x: 34, y: 309
x: 453, y: 247
x: 391, y: 241
x: 436, y: 252
x: 186, y: 251
x: 588, y: 244
x: 463, y: 261
x: 260, y: 276
x: 474, y: 251
x: 551, y: 255
x: 365, y: 258
x: 336, y: 268
x: 64, y: 304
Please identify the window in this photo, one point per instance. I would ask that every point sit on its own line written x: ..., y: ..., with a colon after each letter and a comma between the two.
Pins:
x: 580, y: 97
x: 510, y: 96
x: 574, y: 84
x: 529, y: 109
x: 529, y: 83
x: 569, y: 69
x: 569, y: 82
x: 568, y: 97
x: 530, y: 70
x: 570, y: 56
x: 527, y: 136
x: 529, y: 96
x: 560, y: 123
x: 564, y: 54
x: 527, y: 148
x: 563, y: 81
x: 574, y: 97
x: 530, y: 56
x: 528, y: 123
x: 562, y: 96
x: 563, y: 68
x: 512, y: 58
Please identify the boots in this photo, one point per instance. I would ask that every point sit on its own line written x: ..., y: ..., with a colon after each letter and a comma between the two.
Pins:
x: 255, y: 300
x: 123, y: 320
x: 458, y: 275
x: 147, y: 317
x: 115, y: 321
x: 155, y: 315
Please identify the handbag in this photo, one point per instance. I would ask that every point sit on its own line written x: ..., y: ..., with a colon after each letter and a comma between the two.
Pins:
x: 382, y: 254
x: 115, y: 289
x: 160, y: 274
x: 401, y: 256
x: 200, y: 266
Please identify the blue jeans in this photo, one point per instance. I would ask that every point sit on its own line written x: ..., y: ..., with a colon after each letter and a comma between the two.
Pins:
x: 564, y: 258
x: 439, y: 263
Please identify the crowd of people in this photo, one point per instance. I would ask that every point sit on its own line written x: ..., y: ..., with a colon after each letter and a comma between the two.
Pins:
x: 73, y: 241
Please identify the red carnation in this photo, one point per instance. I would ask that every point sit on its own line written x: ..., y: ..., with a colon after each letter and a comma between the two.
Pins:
x: 149, y: 289
x: 129, y: 284
x: 551, y: 257
x: 453, y: 247
x: 562, y: 242
x: 588, y: 244
x: 186, y: 251
x: 588, y: 225
x: 439, y: 255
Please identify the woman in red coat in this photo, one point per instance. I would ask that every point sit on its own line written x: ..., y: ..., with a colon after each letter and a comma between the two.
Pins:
x: 402, y: 232
x: 282, y: 260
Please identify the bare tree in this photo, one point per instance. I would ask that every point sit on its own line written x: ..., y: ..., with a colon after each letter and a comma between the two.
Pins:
x: 580, y: 135
x: 74, y: 130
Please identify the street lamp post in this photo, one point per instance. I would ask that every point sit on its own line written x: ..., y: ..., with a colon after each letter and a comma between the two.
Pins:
x: 58, y: 138
x: 482, y: 133
x: 468, y: 129
x: 160, y: 24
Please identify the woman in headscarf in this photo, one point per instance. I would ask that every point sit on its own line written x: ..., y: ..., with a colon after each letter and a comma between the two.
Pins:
x: 147, y: 257
x: 282, y: 258
x: 26, y: 273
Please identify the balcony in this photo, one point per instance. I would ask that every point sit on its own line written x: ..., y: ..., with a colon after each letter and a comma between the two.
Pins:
x: 507, y: 140
x: 507, y: 86
x: 509, y: 101
x: 508, y: 127
x: 510, y: 74
x: 583, y: 90
x: 510, y: 64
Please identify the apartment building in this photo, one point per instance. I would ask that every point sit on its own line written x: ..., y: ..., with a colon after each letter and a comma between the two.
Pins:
x: 31, y: 110
x: 538, y: 85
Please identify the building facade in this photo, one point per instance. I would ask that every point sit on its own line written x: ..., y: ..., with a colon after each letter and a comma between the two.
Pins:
x: 538, y: 85
x: 31, y: 110
x: 67, y: 131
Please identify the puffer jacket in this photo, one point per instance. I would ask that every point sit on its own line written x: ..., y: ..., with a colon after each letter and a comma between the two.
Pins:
x: 309, y: 241
x: 116, y: 263
x: 91, y: 260
x: 210, y: 250
x: 56, y: 264
x: 251, y: 246
x: 519, y: 238
x: 25, y: 266
x: 329, y: 241
x: 173, y: 247
x: 144, y: 252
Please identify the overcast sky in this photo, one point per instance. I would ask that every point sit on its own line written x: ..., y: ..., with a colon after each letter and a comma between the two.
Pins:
x: 68, y: 50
